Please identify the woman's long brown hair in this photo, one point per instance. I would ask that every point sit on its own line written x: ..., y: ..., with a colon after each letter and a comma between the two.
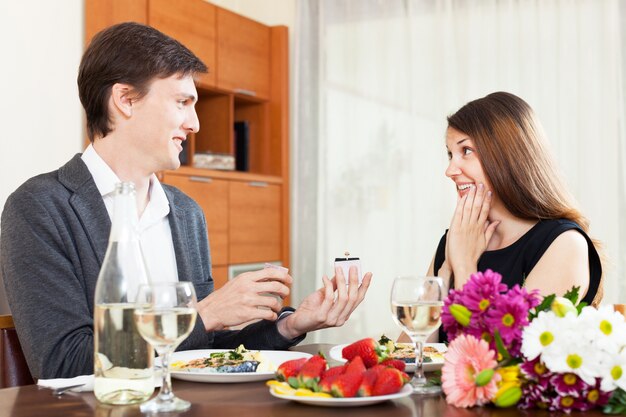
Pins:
x: 513, y: 151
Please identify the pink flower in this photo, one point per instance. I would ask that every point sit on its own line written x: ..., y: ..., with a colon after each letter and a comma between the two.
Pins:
x: 466, y: 358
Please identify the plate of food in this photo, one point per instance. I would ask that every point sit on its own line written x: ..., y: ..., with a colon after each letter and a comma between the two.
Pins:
x: 433, y: 354
x: 325, y: 401
x: 229, y: 366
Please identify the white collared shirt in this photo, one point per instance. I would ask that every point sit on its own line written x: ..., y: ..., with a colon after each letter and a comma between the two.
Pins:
x: 155, y: 234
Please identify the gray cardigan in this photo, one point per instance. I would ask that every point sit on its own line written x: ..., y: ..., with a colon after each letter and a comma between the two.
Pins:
x: 54, y: 234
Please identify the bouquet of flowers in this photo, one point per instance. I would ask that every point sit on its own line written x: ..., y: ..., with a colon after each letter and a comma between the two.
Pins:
x: 510, y: 347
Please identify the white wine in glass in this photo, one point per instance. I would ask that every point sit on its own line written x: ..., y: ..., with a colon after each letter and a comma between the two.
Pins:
x: 416, y: 304
x: 165, y: 315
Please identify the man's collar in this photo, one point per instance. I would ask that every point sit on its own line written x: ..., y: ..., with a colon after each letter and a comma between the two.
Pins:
x: 102, y: 174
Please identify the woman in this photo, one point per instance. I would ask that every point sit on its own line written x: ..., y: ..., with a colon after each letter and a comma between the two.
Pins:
x: 513, y: 214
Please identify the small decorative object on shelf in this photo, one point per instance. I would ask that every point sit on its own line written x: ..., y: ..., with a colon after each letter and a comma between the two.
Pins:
x: 242, y: 145
x: 509, y: 347
x: 214, y: 161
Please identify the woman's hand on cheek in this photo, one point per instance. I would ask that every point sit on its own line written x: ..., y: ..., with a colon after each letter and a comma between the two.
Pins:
x: 470, y: 233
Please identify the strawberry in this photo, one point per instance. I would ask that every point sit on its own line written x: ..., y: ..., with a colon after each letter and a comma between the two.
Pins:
x: 369, y: 379
x: 328, y: 377
x: 289, y: 369
x: 335, y: 370
x: 325, y: 384
x: 405, y: 377
x: 368, y: 349
x: 346, y: 385
x: 394, y: 363
x: 389, y: 381
x: 311, y: 372
x: 355, y: 365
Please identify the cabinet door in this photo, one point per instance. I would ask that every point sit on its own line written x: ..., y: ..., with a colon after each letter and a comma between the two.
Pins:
x: 191, y: 22
x: 220, y: 276
x: 212, y: 196
x: 254, y: 222
x: 101, y: 14
x: 243, y: 54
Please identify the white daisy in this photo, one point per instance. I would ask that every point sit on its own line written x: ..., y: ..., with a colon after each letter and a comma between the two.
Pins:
x: 577, y: 356
x: 543, y: 334
x: 613, y: 371
x: 605, y: 328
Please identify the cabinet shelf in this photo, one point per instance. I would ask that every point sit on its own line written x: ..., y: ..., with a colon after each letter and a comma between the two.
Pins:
x: 228, y: 175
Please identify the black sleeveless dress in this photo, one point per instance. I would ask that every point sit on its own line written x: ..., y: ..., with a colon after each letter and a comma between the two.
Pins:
x: 516, y: 261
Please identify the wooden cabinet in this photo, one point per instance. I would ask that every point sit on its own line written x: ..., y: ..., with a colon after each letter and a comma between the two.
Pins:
x: 212, y: 196
x: 101, y: 14
x: 243, y: 55
x: 247, y: 212
x: 220, y: 275
x: 254, y: 222
x: 191, y: 22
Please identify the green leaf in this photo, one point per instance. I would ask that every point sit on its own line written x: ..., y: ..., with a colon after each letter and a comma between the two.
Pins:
x: 500, y: 345
x: 544, y: 306
x: 434, y: 378
x: 617, y: 403
x: 580, y: 306
x: 572, y: 295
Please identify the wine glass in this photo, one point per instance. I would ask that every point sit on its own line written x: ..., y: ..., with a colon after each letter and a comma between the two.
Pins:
x: 165, y: 314
x: 416, y: 304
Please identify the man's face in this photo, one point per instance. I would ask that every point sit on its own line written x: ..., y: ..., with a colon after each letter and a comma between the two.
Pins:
x: 161, y: 121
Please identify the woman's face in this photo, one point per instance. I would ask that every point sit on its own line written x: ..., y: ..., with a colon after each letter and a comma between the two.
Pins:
x: 464, y: 168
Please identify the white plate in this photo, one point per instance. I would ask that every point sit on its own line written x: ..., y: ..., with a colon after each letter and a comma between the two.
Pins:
x: 345, y: 402
x: 335, y: 353
x: 276, y: 357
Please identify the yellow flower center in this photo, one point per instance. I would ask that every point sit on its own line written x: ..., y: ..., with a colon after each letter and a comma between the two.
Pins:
x: 606, y: 327
x: 567, y: 401
x: 540, y: 368
x: 546, y: 338
x: 508, y: 320
x: 616, y: 372
x: 569, y: 379
x: 574, y: 361
x: 486, y: 337
x: 484, y: 304
x: 593, y: 396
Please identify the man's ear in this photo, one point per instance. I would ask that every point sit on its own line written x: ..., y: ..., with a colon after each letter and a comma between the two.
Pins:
x: 122, y: 98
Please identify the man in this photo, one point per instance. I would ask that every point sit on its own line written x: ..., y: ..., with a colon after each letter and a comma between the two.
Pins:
x: 136, y: 85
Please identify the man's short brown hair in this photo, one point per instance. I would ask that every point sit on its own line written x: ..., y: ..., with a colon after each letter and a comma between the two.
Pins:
x: 128, y: 53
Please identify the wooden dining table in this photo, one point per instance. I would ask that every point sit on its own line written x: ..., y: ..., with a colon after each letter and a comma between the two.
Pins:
x: 242, y: 400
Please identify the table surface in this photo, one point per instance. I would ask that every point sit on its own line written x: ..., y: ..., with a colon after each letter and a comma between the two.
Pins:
x: 240, y: 400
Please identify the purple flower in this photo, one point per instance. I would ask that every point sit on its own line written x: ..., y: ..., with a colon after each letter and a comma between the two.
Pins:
x: 481, y: 290
x: 449, y: 323
x: 567, y: 384
x: 534, y: 395
x: 535, y: 370
x: 592, y: 396
x: 565, y: 403
x: 508, y: 315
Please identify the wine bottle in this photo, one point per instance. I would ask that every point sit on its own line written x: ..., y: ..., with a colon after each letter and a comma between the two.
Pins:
x: 123, y: 360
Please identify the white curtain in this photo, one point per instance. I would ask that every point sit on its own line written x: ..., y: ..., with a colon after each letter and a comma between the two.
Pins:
x: 374, y: 82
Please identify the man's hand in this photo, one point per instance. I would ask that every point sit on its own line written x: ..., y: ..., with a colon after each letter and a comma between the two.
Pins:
x: 242, y: 299
x: 322, y: 309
